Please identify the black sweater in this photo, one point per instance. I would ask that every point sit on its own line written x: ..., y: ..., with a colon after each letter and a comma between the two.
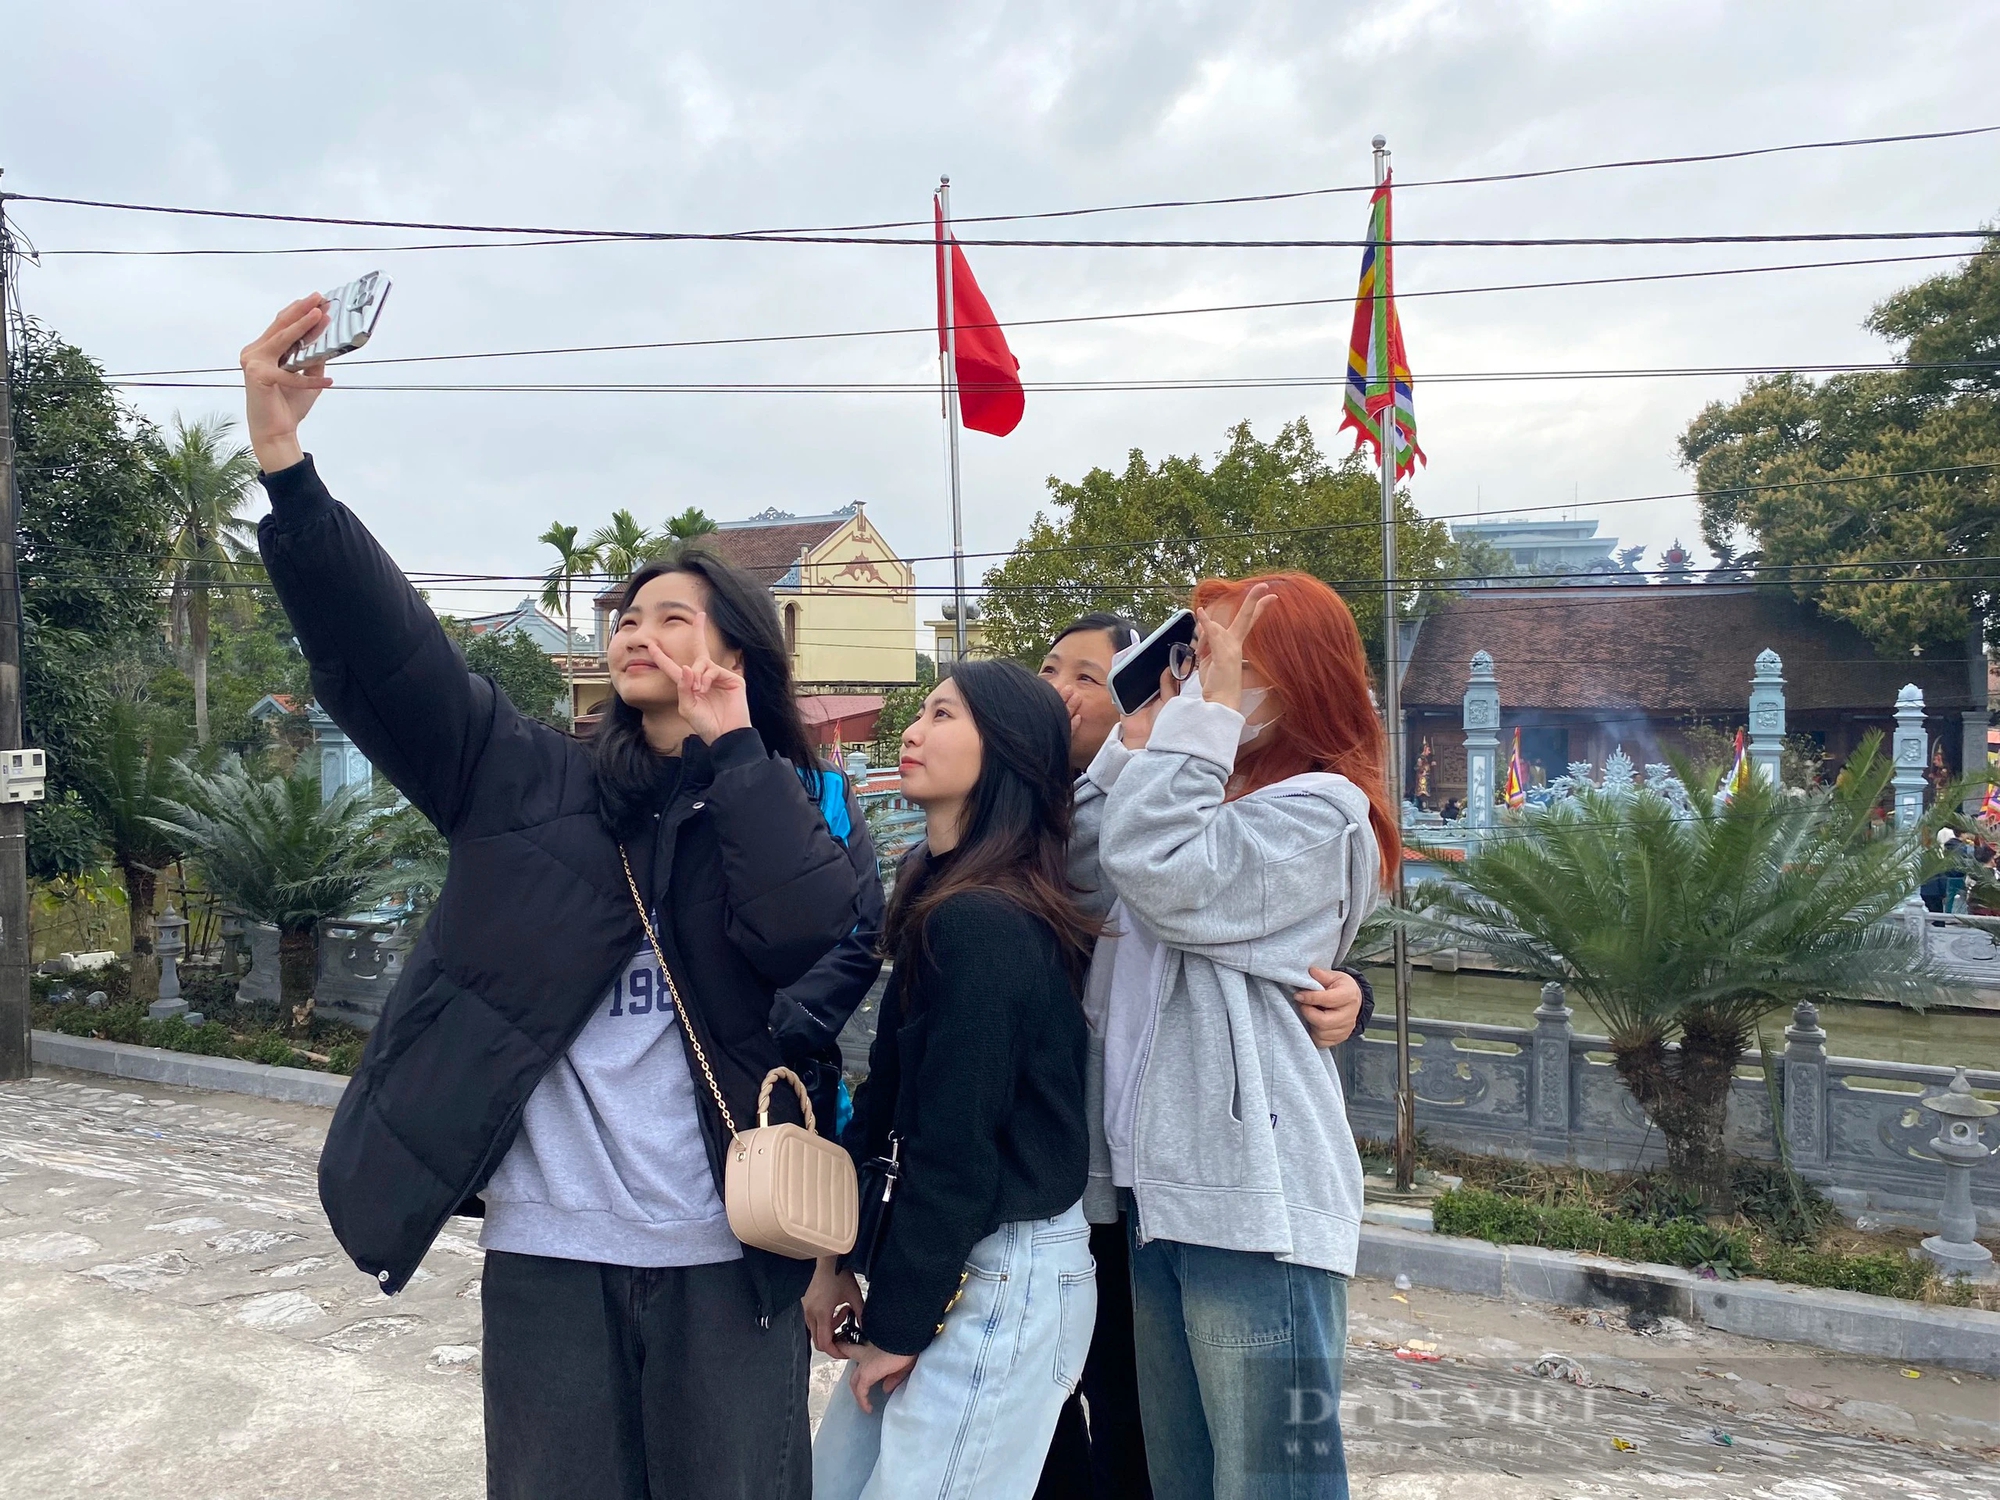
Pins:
x: 978, y: 1064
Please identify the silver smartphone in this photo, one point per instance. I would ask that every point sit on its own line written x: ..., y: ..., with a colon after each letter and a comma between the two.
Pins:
x: 351, y: 313
x: 1135, y: 682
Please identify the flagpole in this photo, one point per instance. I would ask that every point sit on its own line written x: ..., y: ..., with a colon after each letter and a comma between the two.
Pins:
x: 949, y: 374
x: 1392, y: 695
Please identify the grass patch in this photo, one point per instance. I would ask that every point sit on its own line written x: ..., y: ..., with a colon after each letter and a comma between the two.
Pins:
x: 1783, y: 1228
x: 330, y: 1047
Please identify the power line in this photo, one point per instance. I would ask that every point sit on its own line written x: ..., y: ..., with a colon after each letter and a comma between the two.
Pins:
x: 1139, y: 544
x: 930, y: 329
x: 926, y: 242
x: 1559, y: 586
x: 1172, y: 203
x: 1065, y: 387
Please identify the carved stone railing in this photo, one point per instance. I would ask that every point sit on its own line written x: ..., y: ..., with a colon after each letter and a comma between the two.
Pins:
x: 1966, y: 948
x: 1855, y: 1127
x: 359, y: 962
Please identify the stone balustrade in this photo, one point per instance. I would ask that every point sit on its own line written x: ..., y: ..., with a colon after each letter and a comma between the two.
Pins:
x: 1855, y: 1127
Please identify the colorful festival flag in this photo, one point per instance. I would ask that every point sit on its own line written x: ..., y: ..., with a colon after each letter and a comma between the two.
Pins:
x: 1989, y: 805
x: 1378, y: 371
x: 990, y: 398
x: 1517, y: 776
x: 1738, y: 776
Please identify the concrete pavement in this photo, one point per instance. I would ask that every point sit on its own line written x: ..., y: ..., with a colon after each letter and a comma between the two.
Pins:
x: 176, y: 1320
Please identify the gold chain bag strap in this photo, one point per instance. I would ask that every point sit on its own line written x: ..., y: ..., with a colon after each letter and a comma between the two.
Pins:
x: 788, y: 1189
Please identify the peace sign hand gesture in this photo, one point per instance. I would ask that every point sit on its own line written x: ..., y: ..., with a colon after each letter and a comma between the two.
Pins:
x: 1222, y: 649
x: 275, y: 399
x: 713, y: 699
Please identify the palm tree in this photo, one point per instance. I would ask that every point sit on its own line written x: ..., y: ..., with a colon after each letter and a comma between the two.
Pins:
x: 126, y: 784
x: 690, y: 525
x: 1690, y: 923
x: 624, y: 546
x: 573, y: 560
x: 276, y: 850
x: 204, y: 486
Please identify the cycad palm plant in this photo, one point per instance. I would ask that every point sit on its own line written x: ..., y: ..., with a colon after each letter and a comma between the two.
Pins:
x: 1686, y: 925
x: 203, y: 483
x: 276, y: 850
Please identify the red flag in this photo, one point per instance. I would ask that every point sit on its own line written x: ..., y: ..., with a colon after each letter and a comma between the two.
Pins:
x: 990, y: 398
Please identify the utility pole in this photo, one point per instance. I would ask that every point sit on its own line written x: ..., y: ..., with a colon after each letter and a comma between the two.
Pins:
x: 1392, y: 702
x: 14, y: 1011
x: 948, y: 368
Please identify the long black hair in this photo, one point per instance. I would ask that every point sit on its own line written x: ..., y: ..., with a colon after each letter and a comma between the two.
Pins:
x: 630, y: 772
x: 1015, y: 837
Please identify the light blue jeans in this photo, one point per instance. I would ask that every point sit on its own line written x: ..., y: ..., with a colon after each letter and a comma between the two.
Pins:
x: 1239, y: 1373
x: 977, y: 1412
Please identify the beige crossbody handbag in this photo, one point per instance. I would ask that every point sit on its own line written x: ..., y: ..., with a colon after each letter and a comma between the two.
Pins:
x: 788, y: 1189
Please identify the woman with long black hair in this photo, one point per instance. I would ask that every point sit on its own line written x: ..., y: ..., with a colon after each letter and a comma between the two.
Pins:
x: 532, y: 1063
x: 981, y: 1293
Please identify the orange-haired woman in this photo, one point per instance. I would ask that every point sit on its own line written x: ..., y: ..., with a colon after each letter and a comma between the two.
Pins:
x: 1242, y: 819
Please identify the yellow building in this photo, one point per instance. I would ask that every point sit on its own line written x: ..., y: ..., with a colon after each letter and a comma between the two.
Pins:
x: 846, y: 601
x: 944, y: 636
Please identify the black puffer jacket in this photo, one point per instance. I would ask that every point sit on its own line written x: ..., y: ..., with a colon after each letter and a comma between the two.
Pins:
x: 535, y: 918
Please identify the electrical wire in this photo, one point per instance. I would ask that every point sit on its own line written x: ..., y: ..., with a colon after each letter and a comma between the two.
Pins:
x: 930, y: 329
x: 1140, y: 544
x: 1171, y: 203
x: 929, y: 388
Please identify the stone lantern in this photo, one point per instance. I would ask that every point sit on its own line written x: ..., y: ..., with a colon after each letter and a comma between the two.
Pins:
x: 170, y: 944
x: 1954, y: 1250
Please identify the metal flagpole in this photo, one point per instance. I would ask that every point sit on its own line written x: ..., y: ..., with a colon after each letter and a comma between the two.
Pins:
x: 949, y: 373
x: 1392, y: 694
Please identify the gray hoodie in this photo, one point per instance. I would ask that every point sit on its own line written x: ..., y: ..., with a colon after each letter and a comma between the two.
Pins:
x: 1240, y: 1136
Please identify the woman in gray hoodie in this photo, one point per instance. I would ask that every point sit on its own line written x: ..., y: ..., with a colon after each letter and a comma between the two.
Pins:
x: 1242, y: 820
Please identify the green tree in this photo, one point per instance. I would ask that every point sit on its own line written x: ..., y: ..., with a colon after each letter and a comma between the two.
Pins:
x: 519, y: 667
x: 90, y: 522
x: 623, y: 546
x: 126, y: 784
x: 1136, y: 541
x: 274, y: 849
x: 1688, y: 926
x: 900, y: 707
x: 689, y: 525
x: 1831, y: 440
x: 205, y: 483
x: 574, y: 560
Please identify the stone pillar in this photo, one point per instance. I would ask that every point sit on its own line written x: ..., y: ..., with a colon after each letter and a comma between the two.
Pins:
x: 1911, y: 743
x: 261, y: 982
x: 1549, y: 1090
x: 1482, y: 743
x: 1804, y: 1088
x: 1767, y: 717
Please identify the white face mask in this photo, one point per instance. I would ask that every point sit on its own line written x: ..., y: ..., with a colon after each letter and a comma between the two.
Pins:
x: 1252, y: 699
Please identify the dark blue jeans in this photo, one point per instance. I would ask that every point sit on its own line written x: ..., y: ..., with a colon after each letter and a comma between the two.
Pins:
x: 1239, y: 1374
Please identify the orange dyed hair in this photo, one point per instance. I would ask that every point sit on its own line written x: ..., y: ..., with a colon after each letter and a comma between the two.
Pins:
x: 1307, y: 647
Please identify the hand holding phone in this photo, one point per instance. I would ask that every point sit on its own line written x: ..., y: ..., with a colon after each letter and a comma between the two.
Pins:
x: 1135, y: 680
x: 351, y: 313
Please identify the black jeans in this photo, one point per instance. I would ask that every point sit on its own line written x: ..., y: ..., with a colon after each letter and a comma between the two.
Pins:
x: 1103, y: 1456
x: 615, y: 1383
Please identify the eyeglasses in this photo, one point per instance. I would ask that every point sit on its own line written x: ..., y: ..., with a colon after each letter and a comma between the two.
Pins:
x: 1180, y: 661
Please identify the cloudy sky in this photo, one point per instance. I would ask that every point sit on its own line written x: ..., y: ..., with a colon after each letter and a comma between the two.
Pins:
x: 707, y: 117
